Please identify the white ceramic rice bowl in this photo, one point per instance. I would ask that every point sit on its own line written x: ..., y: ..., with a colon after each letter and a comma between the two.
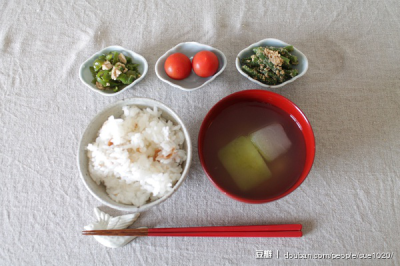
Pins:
x: 90, y: 134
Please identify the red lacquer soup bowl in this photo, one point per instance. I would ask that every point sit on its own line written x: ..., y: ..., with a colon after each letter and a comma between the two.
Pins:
x: 234, y: 119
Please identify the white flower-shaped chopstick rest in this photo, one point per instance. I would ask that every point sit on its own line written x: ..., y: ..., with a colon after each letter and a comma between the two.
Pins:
x: 106, y: 221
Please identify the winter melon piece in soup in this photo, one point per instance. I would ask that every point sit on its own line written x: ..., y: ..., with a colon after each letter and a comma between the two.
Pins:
x: 271, y: 141
x: 244, y: 163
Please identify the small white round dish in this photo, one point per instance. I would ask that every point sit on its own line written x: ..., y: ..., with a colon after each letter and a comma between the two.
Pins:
x: 193, y: 82
x: 247, y: 52
x: 86, y: 76
x: 90, y: 134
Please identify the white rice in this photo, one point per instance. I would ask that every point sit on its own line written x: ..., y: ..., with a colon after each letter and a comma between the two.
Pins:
x: 137, y: 157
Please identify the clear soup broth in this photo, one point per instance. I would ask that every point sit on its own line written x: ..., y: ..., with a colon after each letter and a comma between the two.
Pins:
x: 241, y: 119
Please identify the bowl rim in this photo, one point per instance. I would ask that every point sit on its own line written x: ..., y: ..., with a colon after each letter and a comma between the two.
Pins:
x: 185, y: 170
x: 260, y: 43
x: 170, y: 51
x: 114, y: 47
x: 308, y: 163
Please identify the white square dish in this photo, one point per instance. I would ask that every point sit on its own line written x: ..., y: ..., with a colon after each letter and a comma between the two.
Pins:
x: 193, y: 82
x: 247, y: 52
x: 86, y: 76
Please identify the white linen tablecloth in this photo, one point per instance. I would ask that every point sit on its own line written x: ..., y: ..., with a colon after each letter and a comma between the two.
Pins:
x: 348, y: 204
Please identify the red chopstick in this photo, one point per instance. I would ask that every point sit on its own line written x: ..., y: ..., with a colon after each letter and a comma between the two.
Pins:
x: 240, y: 228
x: 233, y: 234
x: 282, y: 230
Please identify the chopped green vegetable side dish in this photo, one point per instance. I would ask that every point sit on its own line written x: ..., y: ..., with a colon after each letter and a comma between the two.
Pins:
x: 271, y: 65
x: 114, y: 71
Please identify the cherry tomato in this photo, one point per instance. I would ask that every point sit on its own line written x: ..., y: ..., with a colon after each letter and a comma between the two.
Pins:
x: 178, y: 66
x: 205, y: 64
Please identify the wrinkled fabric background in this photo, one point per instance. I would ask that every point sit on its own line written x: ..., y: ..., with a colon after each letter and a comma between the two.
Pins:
x: 348, y: 203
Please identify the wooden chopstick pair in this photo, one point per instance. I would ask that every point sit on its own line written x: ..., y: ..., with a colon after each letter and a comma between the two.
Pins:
x: 281, y: 230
